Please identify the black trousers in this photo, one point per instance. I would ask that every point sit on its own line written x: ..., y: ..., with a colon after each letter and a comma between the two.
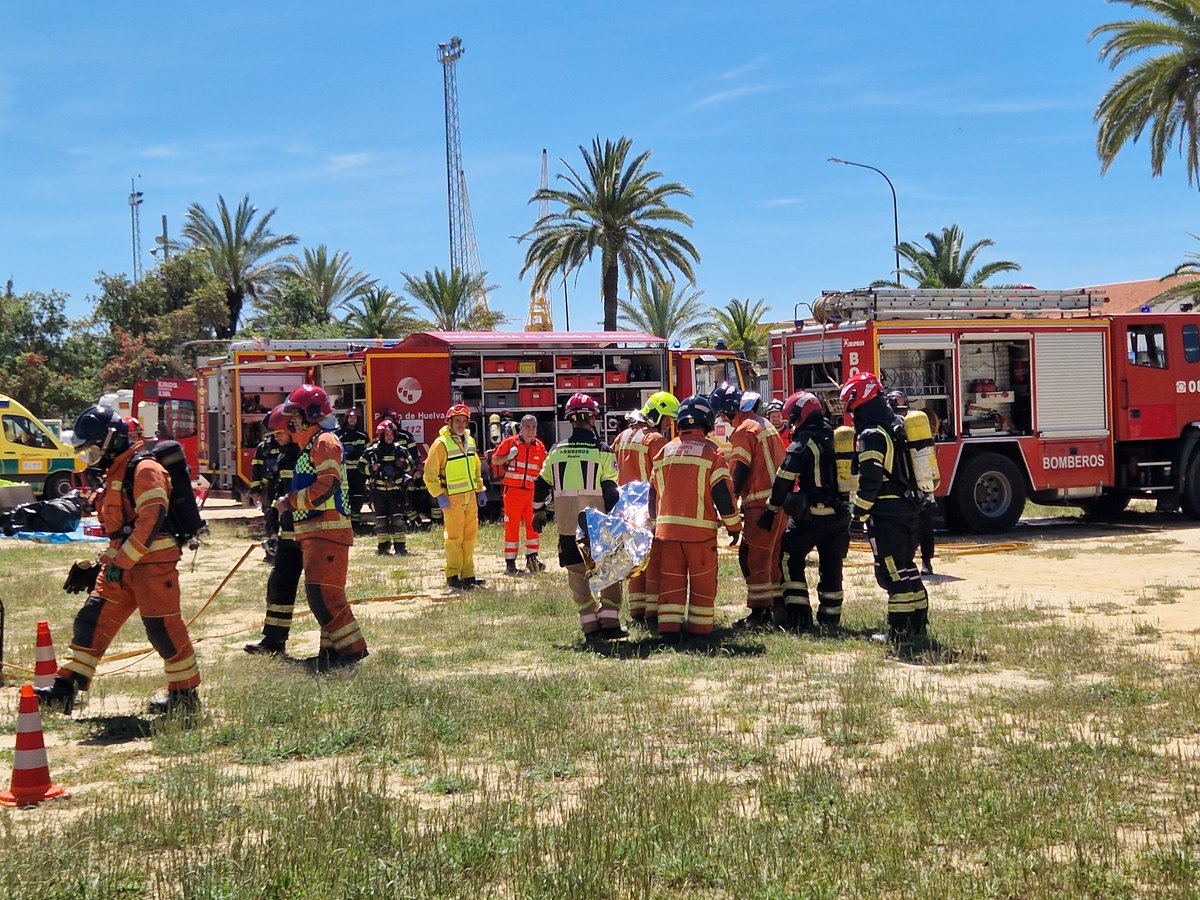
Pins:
x: 830, y: 537
x: 356, y: 485
x: 391, y: 508
x: 282, y: 585
x: 926, y: 525
x: 894, y: 542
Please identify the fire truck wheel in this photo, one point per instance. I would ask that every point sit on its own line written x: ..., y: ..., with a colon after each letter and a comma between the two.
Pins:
x: 1189, y: 496
x: 989, y: 494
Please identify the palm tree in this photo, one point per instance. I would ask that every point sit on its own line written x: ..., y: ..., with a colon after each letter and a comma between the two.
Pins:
x: 333, y: 280
x: 741, y: 326
x: 945, y: 264
x: 237, y: 250
x: 453, y: 301
x: 1161, y: 91
x: 616, y: 208
x: 379, y: 313
x: 663, y: 310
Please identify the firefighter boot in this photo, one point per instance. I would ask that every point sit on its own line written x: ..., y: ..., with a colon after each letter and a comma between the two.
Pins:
x: 454, y: 583
x: 533, y: 565
x: 185, y: 704
x: 758, y: 618
x: 384, y: 548
x: 264, y: 648
x: 510, y: 568
x: 399, y: 549
x: 799, y: 617
x: 59, y: 696
x: 329, y: 660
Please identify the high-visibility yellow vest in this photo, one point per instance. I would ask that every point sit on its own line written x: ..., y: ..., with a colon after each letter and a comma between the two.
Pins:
x: 460, y: 461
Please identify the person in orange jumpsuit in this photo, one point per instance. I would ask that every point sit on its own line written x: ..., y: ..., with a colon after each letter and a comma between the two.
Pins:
x: 520, y: 457
x: 635, y: 449
x: 138, y: 571
x: 690, y: 495
x: 773, y: 413
x: 319, y: 501
x: 755, y: 455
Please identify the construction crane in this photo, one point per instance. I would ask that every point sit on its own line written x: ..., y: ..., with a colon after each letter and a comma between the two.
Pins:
x: 464, y: 253
x: 540, y: 318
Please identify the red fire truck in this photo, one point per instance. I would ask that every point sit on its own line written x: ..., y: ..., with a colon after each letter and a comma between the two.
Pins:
x: 1031, y: 394
x: 415, y: 380
x: 167, y: 408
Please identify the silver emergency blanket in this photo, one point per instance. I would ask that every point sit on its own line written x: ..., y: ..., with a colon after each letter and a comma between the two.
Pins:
x: 617, y: 543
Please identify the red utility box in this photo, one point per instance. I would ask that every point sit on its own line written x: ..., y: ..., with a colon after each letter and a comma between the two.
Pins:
x: 500, y: 366
x: 568, y: 382
x: 564, y: 362
x: 589, y: 382
x: 614, y: 377
x: 537, y: 396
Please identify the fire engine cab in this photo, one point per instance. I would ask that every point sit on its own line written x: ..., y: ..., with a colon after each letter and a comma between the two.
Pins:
x: 1030, y: 394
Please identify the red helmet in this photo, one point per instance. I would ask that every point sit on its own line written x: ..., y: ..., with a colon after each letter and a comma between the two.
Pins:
x: 858, y: 389
x: 800, y: 407
x: 310, y: 401
x: 580, y: 405
x: 278, y: 418
x: 385, y: 425
x: 458, y: 409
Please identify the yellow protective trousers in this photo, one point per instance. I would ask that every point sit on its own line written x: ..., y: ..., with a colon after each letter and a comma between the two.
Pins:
x: 460, y: 525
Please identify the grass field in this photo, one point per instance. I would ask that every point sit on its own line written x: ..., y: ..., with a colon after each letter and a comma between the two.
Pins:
x: 484, y: 750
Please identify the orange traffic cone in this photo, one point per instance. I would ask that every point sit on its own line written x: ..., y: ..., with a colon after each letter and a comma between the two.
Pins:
x: 31, y: 770
x: 45, y: 666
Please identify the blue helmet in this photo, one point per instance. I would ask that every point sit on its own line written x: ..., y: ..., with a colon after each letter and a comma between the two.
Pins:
x: 726, y: 399
x: 695, y: 412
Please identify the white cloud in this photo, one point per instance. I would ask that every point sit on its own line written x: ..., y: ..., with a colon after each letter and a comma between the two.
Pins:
x: 786, y: 201
x: 738, y: 71
x: 341, y: 161
x: 161, y: 151
x: 725, y: 96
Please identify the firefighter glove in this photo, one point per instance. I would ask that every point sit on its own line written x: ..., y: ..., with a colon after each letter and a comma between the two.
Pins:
x: 540, y: 517
x: 81, y: 577
x: 113, y: 573
x: 767, y: 520
x: 734, y: 537
x: 481, y: 496
x: 443, y: 501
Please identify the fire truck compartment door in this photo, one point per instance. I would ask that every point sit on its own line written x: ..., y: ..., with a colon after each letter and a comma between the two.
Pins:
x: 816, y: 351
x: 1070, y: 384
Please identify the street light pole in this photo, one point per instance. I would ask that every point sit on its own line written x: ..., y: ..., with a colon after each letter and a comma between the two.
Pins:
x: 895, y: 210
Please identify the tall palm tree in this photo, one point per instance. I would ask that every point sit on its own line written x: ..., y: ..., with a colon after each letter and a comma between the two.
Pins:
x: 452, y: 301
x: 741, y: 326
x: 1161, y: 91
x: 238, y: 251
x: 616, y: 208
x: 945, y: 264
x: 332, y: 278
x: 377, y: 312
x: 663, y: 310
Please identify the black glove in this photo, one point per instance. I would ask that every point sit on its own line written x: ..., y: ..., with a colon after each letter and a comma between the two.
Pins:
x: 540, y: 518
x: 767, y: 520
x: 81, y: 577
x: 734, y: 537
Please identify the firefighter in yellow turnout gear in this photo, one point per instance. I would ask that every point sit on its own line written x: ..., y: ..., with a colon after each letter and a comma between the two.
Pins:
x: 454, y: 478
x: 581, y: 472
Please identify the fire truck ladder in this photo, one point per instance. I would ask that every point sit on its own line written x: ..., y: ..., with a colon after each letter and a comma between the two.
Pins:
x: 951, y: 303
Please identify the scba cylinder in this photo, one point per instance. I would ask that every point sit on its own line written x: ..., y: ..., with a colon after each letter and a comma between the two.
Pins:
x: 920, y: 449
x: 843, y: 452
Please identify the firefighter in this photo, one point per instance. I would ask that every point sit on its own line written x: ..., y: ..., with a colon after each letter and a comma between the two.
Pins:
x: 773, y: 413
x: 581, y: 471
x: 690, y: 495
x: 264, y: 488
x: 518, y: 460
x: 888, y: 504
x: 289, y: 562
x: 454, y: 478
x: 817, y: 515
x: 138, y: 572
x: 420, y: 514
x: 387, y: 466
x: 755, y: 455
x: 354, y: 442
x: 635, y: 449
x: 898, y: 401
x: 319, y: 503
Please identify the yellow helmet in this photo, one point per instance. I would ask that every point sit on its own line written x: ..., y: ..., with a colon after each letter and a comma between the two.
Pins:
x: 661, y: 404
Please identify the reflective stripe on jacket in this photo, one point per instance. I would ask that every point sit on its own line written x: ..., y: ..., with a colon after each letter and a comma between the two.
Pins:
x: 755, y: 455
x: 690, y: 490
x: 452, y: 467
x: 522, y: 463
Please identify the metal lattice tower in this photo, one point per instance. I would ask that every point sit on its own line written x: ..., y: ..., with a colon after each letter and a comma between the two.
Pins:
x: 448, y: 55
x: 540, y: 317
x: 135, y: 203
x: 472, y: 266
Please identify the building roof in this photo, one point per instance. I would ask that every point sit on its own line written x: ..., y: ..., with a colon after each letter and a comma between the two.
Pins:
x: 1129, y: 296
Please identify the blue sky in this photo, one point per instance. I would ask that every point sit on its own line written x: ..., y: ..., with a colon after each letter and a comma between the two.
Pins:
x: 980, y: 113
